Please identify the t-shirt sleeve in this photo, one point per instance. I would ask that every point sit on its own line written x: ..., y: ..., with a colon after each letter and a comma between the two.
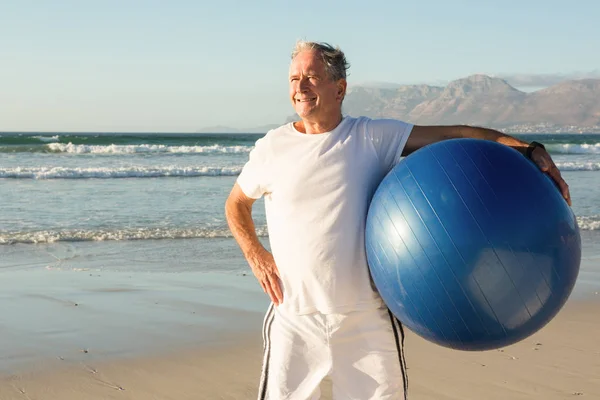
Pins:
x: 389, y: 137
x: 253, y: 178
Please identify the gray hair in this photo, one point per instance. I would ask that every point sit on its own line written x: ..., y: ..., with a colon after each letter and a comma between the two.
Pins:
x: 333, y: 57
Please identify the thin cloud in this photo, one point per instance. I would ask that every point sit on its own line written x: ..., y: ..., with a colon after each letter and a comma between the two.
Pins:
x: 542, y: 80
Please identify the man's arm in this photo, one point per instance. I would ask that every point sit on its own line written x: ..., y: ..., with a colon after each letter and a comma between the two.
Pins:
x: 423, y: 135
x: 238, y: 212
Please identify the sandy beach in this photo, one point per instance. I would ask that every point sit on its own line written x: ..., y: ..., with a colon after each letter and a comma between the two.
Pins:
x: 73, y: 335
x: 119, y: 278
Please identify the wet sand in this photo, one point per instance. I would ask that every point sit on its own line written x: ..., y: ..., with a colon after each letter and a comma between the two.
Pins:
x: 73, y: 335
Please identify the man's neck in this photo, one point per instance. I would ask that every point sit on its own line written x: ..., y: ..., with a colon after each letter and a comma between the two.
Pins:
x: 315, y: 127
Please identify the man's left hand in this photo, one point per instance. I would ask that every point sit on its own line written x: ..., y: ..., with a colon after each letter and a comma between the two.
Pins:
x: 543, y: 160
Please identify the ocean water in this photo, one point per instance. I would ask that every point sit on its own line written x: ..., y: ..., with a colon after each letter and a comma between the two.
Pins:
x: 154, y: 202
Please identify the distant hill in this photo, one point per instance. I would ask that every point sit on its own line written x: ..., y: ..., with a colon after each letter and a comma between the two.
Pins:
x: 483, y: 100
x: 388, y: 103
x: 569, y: 106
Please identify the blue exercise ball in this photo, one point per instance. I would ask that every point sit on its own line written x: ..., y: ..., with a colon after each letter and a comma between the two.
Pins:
x: 470, y: 245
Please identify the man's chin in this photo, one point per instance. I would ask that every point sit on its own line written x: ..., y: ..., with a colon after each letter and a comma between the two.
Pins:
x: 304, y: 113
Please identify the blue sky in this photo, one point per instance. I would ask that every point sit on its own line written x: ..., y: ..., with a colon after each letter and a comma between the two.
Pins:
x: 178, y: 66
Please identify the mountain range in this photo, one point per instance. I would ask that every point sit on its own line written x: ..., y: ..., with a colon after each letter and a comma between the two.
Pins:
x: 482, y: 100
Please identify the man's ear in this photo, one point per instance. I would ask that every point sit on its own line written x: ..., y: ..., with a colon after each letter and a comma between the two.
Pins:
x: 341, y: 85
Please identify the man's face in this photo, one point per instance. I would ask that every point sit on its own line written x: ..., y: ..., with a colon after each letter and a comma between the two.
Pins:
x: 313, y: 94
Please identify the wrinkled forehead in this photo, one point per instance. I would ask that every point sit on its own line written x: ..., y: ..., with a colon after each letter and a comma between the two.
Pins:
x: 306, y: 62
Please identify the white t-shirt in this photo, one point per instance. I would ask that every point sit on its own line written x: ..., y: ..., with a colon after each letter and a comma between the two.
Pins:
x: 317, y: 190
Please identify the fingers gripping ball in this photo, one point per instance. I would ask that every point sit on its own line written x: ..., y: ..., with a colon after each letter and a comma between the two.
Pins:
x: 470, y: 245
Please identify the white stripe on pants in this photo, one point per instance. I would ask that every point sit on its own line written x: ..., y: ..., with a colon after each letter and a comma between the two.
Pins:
x: 362, y: 352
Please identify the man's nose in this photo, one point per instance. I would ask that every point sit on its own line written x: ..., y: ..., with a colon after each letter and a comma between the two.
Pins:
x: 302, y: 85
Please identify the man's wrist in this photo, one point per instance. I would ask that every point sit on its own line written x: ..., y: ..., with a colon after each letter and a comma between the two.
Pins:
x: 532, y: 146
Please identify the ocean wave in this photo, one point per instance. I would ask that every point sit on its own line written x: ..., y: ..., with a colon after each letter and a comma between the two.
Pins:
x: 54, y: 138
x: 578, y: 166
x: 143, y: 149
x: 128, y: 138
x: 586, y: 223
x: 571, y: 148
x: 111, y: 173
x: 82, y: 235
x: 589, y: 223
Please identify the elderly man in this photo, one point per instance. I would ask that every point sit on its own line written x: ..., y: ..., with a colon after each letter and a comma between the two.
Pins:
x: 318, y: 175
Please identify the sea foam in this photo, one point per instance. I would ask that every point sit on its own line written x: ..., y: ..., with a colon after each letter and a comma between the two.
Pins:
x: 142, y: 233
x: 115, y: 172
x: 143, y: 149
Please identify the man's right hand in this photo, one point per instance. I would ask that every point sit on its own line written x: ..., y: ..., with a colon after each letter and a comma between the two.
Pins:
x: 264, y: 268
x: 238, y: 211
